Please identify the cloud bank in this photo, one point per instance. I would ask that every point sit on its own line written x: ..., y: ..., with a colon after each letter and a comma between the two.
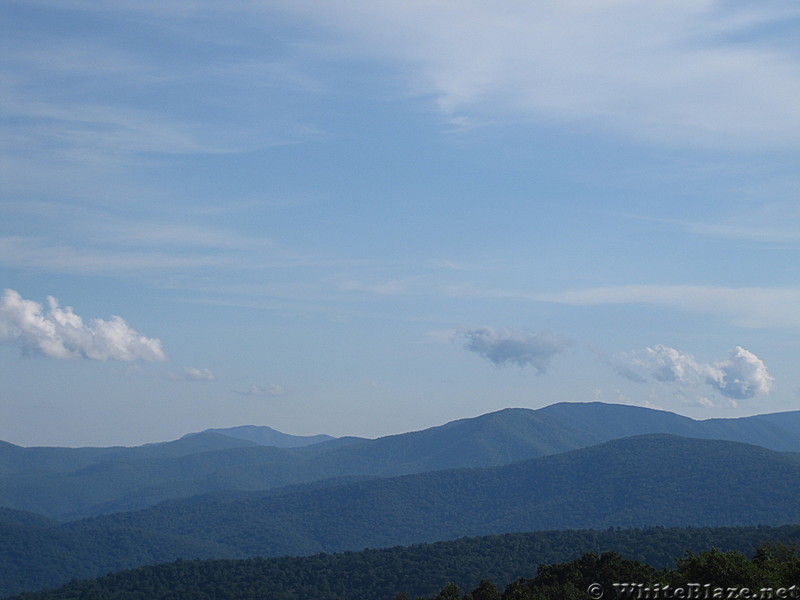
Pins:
x: 60, y: 333
x: 513, y: 347
x: 741, y: 375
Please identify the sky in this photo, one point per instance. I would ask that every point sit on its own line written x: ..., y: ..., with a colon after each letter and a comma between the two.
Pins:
x: 366, y: 218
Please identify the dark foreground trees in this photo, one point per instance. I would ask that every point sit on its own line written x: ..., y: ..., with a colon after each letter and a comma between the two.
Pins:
x: 774, y: 568
x: 494, y: 568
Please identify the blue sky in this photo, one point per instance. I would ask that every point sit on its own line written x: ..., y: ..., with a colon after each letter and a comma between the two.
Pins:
x: 371, y: 217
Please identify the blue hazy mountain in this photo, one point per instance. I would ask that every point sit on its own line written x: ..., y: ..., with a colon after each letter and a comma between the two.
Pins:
x: 648, y: 480
x: 73, y: 482
x: 266, y: 436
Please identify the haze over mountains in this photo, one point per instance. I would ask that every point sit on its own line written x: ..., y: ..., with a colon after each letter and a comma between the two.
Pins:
x: 68, y: 483
x: 648, y: 480
x: 222, y: 493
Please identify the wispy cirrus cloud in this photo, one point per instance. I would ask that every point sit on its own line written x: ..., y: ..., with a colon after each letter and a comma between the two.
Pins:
x: 60, y: 333
x: 686, y: 72
x: 270, y: 390
x: 771, y: 223
x: 768, y: 222
x: 191, y: 374
x: 384, y: 288
x: 84, y: 116
x: 31, y: 252
x: 91, y: 240
x: 753, y: 307
x: 196, y: 374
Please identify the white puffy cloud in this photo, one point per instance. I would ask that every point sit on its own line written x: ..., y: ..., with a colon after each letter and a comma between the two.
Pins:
x: 739, y: 376
x: 667, y: 364
x: 508, y: 346
x: 60, y: 333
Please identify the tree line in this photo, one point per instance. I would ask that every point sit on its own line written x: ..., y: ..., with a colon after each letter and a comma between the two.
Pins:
x: 772, y: 572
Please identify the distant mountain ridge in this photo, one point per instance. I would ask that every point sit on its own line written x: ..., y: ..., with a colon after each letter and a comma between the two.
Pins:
x: 776, y: 431
x: 70, y: 483
x: 237, y: 492
x: 650, y: 480
x: 640, y: 481
x: 267, y: 436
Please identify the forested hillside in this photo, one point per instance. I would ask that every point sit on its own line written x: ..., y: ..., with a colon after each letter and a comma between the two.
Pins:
x: 422, y: 569
x: 70, y: 483
x: 633, y: 482
x: 772, y: 572
x: 348, y: 498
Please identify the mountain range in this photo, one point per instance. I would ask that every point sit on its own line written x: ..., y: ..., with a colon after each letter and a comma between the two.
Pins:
x: 222, y: 494
x: 648, y: 480
x: 266, y: 436
x: 69, y: 483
